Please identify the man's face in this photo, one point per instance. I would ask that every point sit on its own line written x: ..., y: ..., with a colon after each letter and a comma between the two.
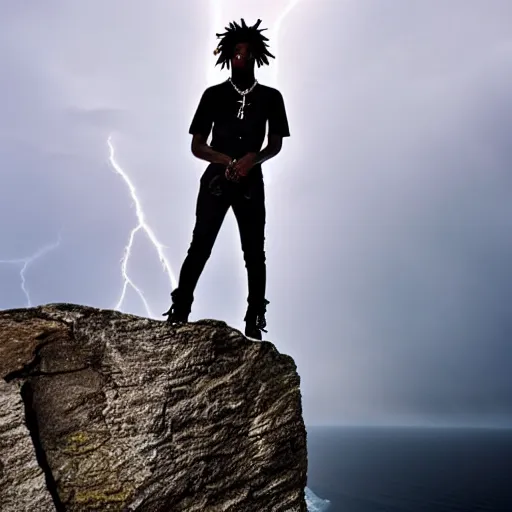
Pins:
x: 242, y: 56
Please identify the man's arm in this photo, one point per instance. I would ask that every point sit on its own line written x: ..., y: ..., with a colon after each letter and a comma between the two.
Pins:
x: 201, y: 150
x: 273, y: 147
x: 277, y: 128
x: 201, y: 127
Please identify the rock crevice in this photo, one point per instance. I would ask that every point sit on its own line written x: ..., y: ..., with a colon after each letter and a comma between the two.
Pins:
x: 33, y: 428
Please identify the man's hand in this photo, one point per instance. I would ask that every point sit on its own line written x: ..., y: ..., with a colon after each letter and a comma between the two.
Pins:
x: 245, y: 164
x: 225, y: 160
x: 230, y: 172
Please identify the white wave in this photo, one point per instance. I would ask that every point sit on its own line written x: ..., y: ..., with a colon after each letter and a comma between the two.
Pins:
x: 314, y: 503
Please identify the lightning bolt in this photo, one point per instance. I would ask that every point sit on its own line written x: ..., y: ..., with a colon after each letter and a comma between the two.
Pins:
x: 26, y: 262
x: 141, y: 226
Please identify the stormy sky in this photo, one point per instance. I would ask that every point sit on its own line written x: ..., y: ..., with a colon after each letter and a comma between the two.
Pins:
x: 389, y: 209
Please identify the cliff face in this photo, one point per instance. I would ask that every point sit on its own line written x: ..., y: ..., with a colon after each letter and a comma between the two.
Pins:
x: 101, y: 410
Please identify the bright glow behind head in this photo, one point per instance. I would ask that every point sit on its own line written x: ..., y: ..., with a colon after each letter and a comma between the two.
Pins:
x: 271, y: 12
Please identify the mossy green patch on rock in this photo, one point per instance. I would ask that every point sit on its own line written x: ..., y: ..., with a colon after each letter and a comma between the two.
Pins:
x: 100, y: 498
x: 79, y: 437
x: 82, y: 442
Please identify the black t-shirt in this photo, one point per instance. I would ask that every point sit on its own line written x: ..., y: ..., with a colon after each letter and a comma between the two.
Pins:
x: 232, y: 136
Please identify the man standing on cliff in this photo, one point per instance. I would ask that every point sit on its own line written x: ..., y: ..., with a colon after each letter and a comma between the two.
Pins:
x: 239, y: 110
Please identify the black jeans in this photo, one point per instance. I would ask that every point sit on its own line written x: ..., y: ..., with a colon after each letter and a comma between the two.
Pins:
x: 216, y: 196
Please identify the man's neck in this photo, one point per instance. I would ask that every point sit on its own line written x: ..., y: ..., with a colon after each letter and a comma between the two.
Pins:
x: 242, y: 79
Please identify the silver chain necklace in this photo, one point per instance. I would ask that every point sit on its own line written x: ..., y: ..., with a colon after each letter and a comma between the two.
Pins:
x: 240, y: 114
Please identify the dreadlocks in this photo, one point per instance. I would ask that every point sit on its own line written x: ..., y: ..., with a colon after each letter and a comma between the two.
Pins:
x: 242, y: 34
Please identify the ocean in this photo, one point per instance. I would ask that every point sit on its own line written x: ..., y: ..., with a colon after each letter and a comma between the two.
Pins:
x: 411, y: 469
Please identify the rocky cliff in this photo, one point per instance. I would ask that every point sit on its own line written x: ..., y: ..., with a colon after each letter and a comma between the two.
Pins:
x: 106, y: 411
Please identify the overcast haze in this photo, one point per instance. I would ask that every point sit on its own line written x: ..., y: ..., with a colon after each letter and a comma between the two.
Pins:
x: 389, y: 209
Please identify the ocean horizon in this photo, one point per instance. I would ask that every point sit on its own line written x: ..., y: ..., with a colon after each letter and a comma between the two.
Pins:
x: 410, y: 468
